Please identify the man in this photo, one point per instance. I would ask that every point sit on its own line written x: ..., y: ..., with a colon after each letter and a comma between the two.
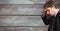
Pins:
x: 51, y: 16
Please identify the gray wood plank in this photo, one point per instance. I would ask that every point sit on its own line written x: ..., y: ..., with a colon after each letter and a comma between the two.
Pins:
x: 14, y: 9
x: 42, y: 28
x: 22, y: 1
x: 21, y: 21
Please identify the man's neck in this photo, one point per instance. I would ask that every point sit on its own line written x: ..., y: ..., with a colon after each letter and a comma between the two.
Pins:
x: 56, y: 11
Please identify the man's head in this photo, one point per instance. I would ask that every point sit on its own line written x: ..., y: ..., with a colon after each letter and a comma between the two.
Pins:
x: 50, y: 7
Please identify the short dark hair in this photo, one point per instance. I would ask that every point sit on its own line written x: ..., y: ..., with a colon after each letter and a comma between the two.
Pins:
x: 50, y: 3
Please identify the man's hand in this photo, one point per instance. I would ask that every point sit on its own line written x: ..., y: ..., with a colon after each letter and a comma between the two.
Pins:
x: 44, y: 12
